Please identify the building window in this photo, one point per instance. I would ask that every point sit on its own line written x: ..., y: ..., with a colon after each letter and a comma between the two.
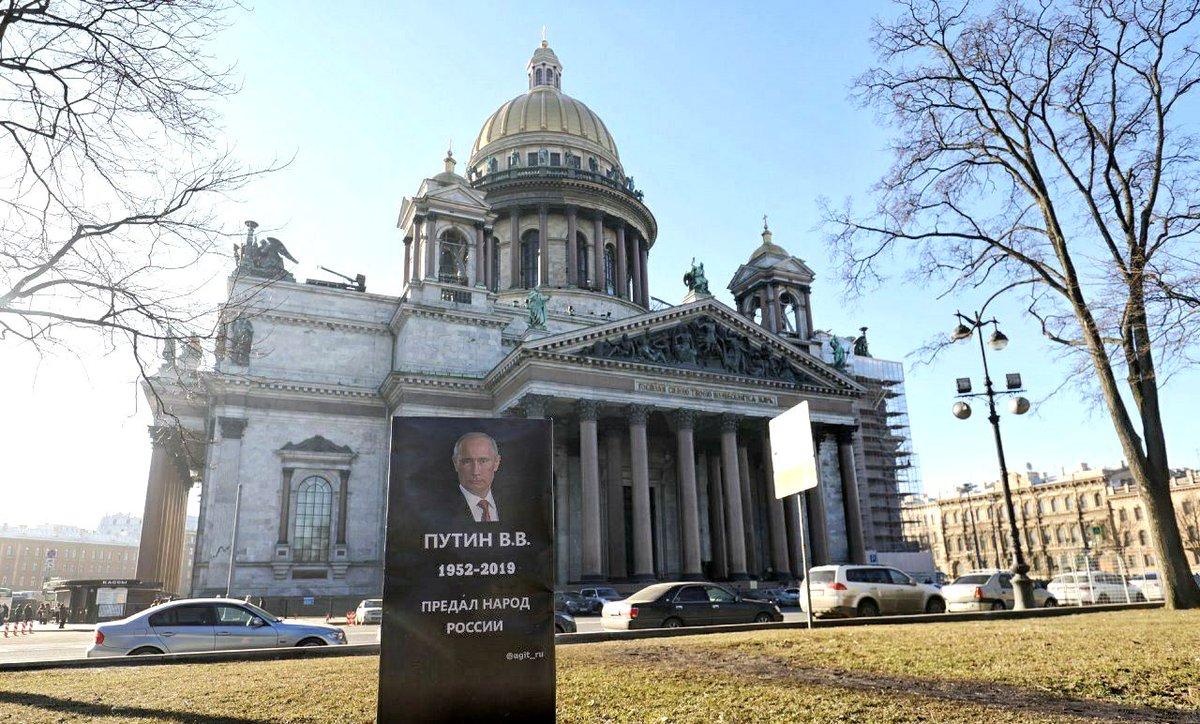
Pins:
x: 1082, y: 503
x: 1067, y: 502
x: 1149, y: 559
x: 1121, y: 516
x: 1096, y: 499
x: 593, y: 166
x: 1141, y: 537
x: 1127, y: 539
x: 1137, y: 513
x: 314, y: 503
x: 531, y: 158
x: 529, y: 259
x: 1025, y: 508
x: 1187, y: 507
x: 581, y: 258
x: 574, y: 161
x: 610, y: 271
x: 454, y: 255
x: 537, y: 76
x: 555, y: 159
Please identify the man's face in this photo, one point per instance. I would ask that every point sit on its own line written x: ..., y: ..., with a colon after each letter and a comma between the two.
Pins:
x: 476, y: 464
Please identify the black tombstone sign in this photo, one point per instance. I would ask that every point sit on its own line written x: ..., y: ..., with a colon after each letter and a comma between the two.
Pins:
x: 468, y: 593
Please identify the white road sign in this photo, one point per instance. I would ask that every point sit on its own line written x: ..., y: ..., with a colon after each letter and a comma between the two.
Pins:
x: 792, y: 452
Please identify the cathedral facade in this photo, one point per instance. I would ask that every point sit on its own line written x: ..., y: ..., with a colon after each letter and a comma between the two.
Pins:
x: 525, y: 293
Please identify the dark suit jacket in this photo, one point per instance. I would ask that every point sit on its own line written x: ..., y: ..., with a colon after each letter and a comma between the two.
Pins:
x: 447, y: 509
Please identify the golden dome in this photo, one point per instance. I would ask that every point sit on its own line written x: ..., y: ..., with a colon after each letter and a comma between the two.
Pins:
x: 545, y: 110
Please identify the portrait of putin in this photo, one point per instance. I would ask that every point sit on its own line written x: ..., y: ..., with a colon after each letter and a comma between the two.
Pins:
x: 476, y: 459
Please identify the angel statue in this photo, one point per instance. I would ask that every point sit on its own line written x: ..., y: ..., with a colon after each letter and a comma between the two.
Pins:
x: 263, y: 258
x: 537, y: 309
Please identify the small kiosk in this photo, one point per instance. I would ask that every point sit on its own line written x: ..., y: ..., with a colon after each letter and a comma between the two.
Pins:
x: 92, y: 600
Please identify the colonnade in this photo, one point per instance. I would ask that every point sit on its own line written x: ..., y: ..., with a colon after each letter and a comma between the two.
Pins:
x: 160, y: 548
x: 630, y: 251
x: 747, y: 532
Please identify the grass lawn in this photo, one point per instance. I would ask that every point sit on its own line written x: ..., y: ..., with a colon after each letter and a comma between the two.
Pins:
x: 1125, y: 666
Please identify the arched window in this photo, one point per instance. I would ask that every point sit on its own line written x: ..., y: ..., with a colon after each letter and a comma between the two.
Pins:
x: 529, y: 259
x: 453, y: 257
x: 1058, y: 534
x: 549, y: 77
x: 581, y: 258
x: 1096, y: 499
x: 1053, y: 505
x: 754, y: 310
x: 593, y: 165
x: 537, y: 76
x: 610, y: 270
x: 314, y: 503
x: 1067, y: 502
x: 1025, y: 508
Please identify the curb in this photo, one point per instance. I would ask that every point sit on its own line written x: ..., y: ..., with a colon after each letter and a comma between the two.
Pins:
x: 216, y: 657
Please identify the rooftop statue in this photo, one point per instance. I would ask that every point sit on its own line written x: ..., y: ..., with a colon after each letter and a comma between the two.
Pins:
x: 839, y: 351
x: 695, y: 279
x: 262, y: 258
x: 536, y: 302
x: 860, y: 344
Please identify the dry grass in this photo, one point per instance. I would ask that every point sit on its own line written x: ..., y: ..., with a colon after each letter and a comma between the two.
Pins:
x: 1132, y: 659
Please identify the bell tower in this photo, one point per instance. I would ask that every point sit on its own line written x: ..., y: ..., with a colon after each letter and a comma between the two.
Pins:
x: 773, y: 288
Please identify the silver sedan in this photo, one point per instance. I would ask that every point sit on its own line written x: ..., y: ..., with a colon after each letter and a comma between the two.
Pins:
x: 205, y: 624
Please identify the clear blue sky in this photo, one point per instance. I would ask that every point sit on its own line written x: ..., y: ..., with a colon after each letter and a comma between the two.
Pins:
x: 722, y: 112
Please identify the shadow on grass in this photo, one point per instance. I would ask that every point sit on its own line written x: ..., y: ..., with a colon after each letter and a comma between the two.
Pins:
x: 100, y: 710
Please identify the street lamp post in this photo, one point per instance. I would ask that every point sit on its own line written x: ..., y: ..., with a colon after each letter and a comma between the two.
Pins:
x: 1022, y: 586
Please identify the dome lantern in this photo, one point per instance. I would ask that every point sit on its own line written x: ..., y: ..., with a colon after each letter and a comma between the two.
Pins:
x: 543, y: 69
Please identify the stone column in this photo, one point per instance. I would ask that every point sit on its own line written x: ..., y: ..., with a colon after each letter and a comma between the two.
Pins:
x: 808, y: 313
x: 562, y: 520
x: 589, y: 463
x: 689, y: 510
x: 572, y: 278
x: 285, y: 505
x: 616, y: 503
x: 431, y: 247
x: 644, y: 248
x: 636, y: 266
x: 755, y: 565
x: 643, y: 539
x: 514, y: 249
x: 794, y: 514
x: 772, y: 310
x: 735, y: 530
x: 150, y: 544
x: 764, y: 307
x: 343, y: 502
x: 543, y: 246
x: 622, y: 264
x: 490, y: 252
x: 776, y: 520
x: 407, y: 259
x: 415, y: 273
x: 480, y: 260
x: 716, y: 518
x: 598, y: 252
x: 854, y: 528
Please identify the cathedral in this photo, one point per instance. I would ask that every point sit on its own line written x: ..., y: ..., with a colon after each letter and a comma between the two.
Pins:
x: 524, y: 292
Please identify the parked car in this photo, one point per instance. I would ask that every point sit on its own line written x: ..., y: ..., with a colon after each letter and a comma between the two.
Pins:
x: 671, y: 605
x: 369, y: 610
x: 1149, y: 584
x: 989, y: 590
x: 856, y: 590
x: 789, y: 597
x: 571, y: 603
x: 205, y: 624
x: 597, y: 597
x: 1095, y: 587
x: 563, y: 622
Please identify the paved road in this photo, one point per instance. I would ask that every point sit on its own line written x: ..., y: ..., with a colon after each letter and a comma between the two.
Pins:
x: 54, y: 645
x: 60, y: 645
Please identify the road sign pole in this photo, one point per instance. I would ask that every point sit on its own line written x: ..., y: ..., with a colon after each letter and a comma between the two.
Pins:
x: 804, y: 561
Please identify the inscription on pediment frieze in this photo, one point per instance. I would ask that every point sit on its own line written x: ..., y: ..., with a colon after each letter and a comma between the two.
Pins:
x: 700, y: 344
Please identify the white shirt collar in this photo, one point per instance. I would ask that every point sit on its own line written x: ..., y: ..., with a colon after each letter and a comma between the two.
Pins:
x: 473, y: 503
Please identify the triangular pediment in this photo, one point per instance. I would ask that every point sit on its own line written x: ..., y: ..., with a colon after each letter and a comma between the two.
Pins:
x: 791, y: 268
x: 704, y: 336
x: 458, y: 195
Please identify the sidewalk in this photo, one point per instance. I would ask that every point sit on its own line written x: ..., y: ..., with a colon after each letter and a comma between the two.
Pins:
x: 37, y: 627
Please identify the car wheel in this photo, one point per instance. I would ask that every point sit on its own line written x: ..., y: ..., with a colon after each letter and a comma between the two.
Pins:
x: 311, y: 642
x: 935, y: 605
x: 763, y: 617
x: 867, y: 608
x: 145, y: 651
x: 1050, y: 603
x: 672, y: 623
x: 998, y: 606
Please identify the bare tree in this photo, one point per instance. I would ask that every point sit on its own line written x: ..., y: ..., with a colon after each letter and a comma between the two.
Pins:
x: 106, y: 122
x: 1041, y: 153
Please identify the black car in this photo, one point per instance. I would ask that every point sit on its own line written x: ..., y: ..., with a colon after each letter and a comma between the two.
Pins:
x: 563, y: 623
x: 671, y: 605
x: 571, y: 603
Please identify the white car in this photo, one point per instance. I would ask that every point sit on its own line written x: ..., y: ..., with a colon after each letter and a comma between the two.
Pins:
x: 198, y: 625
x: 369, y: 610
x: 846, y: 590
x: 1095, y: 587
x: 989, y: 590
x: 1149, y: 584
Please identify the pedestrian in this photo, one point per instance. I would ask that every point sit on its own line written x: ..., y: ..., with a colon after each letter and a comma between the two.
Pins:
x: 62, y: 615
x: 43, y: 613
x: 28, y: 615
x: 3, y: 613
